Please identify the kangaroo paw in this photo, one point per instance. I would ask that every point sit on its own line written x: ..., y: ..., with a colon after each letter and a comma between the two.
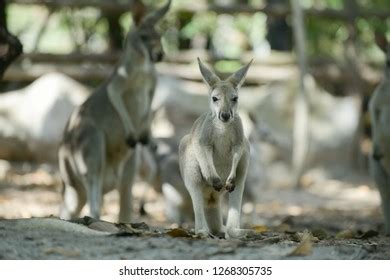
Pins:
x: 144, y: 139
x: 230, y: 185
x: 216, y: 183
x: 131, y: 141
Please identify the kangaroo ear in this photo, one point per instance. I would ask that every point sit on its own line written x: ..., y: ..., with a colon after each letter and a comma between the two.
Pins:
x: 154, y: 17
x: 238, y: 78
x: 209, y: 77
x: 138, y: 11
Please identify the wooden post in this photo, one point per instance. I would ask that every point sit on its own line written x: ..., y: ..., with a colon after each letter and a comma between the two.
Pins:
x: 301, y: 110
x: 355, y: 83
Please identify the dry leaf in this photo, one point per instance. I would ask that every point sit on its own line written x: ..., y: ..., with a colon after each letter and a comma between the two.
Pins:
x: 140, y: 226
x: 305, y: 247
x: 300, y: 236
x: 104, y: 226
x: 346, y: 234
x: 320, y: 233
x: 282, y: 227
x: 368, y: 234
x: 129, y: 229
x: 178, y: 232
x: 62, y: 251
x: 260, y: 228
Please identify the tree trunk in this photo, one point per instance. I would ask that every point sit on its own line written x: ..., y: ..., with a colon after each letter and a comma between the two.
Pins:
x: 279, y: 32
x: 115, y: 32
x: 301, y: 113
x: 355, y: 83
x: 10, y: 46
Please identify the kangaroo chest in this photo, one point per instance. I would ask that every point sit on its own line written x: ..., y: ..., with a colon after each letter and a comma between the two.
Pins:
x: 222, y: 152
x: 138, y: 99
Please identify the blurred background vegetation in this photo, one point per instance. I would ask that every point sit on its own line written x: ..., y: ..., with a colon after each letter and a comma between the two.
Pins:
x: 227, y: 32
x: 55, y: 29
x: 83, y: 39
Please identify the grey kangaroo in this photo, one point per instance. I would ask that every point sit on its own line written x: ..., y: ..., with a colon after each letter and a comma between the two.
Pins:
x: 214, y: 157
x: 99, y: 148
x: 380, y: 121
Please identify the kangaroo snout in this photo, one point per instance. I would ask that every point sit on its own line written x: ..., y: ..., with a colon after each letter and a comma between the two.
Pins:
x: 224, y: 116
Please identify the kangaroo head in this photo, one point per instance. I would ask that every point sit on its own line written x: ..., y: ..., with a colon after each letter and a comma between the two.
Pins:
x: 223, y: 95
x: 146, y: 29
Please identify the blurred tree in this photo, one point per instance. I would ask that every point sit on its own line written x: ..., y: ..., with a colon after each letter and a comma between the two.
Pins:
x: 115, y: 32
x: 301, y: 106
x: 279, y: 33
x: 10, y: 46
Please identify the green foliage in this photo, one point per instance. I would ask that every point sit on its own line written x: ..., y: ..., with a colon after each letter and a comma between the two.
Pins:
x: 227, y: 66
x: 84, y: 29
x: 325, y: 37
x: 201, y: 23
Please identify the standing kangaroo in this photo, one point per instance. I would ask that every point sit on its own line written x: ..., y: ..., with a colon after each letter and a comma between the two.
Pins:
x: 380, y: 122
x: 99, y: 147
x: 214, y: 157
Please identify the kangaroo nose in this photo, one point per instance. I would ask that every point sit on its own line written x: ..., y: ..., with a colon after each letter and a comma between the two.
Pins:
x: 225, y: 116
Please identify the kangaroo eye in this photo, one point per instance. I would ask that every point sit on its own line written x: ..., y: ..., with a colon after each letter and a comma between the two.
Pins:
x: 215, y: 99
x: 234, y: 99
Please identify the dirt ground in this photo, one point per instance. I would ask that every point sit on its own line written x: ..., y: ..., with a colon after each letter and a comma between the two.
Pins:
x: 335, y: 216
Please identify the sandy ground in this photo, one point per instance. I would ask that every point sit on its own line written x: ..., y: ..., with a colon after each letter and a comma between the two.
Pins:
x: 335, y: 216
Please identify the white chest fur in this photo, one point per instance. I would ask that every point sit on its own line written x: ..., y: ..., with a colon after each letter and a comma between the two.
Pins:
x: 222, y: 150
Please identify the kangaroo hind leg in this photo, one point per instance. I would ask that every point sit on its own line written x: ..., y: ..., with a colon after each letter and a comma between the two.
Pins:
x: 73, y: 192
x: 90, y: 159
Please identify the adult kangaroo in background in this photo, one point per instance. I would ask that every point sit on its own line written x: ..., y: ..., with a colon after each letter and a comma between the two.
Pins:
x: 214, y: 157
x: 380, y: 122
x: 99, y: 147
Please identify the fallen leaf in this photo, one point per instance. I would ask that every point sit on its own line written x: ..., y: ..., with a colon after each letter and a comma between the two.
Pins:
x: 305, y: 247
x: 129, y: 229
x: 141, y: 226
x: 178, y: 232
x: 300, y: 236
x: 320, y: 233
x: 125, y: 234
x: 282, y: 227
x: 62, y: 251
x: 104, y: 226
x: 368, y: 234
x: 260, y: 228
x: 346, y: 234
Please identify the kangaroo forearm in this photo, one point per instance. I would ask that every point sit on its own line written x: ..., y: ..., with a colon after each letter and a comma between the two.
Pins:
x: 237, y: 154
x: 145, y: 126
x: 205, y: 160
x: 236, y: 159
x: 118, y: 104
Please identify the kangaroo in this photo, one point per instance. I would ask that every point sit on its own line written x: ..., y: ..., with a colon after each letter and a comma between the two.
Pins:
x: 161, y: 170
x: 379, y: 108
x: 214, y: 157
x: 99, y: 147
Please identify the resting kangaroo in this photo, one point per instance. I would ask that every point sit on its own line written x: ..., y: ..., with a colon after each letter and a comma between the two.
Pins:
x: 380, y: 158
x: 214, y: 157
x: 99, y: 147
